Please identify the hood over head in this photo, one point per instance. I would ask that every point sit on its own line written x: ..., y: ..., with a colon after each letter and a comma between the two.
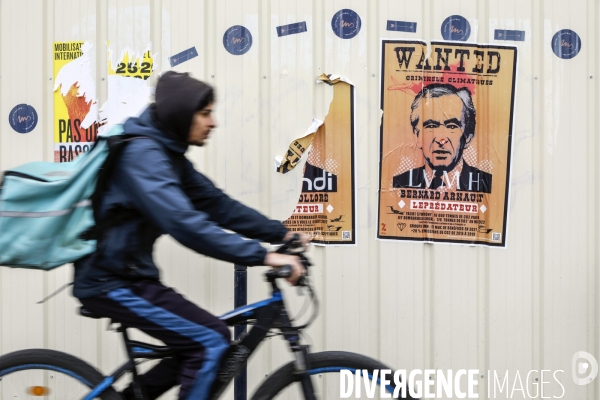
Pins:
x: 178, y: 96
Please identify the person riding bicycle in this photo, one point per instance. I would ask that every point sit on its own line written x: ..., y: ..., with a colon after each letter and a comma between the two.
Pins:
x: 154, y: 190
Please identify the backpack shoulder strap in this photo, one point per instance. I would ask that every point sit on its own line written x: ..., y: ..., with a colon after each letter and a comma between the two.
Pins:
x: 116, y: 144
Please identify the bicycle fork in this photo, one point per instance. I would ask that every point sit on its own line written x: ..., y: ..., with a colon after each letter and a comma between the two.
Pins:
x: 301, y: 370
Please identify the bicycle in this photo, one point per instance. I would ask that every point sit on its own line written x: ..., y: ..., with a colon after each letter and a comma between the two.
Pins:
x: 53, y: 374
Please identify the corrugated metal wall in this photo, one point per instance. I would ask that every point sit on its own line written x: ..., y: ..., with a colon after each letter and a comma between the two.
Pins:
x: 528, y: 307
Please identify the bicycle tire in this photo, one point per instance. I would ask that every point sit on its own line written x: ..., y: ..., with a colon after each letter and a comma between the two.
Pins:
x: 319, y: 363
x: 20, y: 365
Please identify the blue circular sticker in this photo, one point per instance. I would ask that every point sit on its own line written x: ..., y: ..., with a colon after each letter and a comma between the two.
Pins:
x: 456, y: 27
x: 566, y: 44
x: 23, y: 118
x: 237, y: 40
x: 346, y: 23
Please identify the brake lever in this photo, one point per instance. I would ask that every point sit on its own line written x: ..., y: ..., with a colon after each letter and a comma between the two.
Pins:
x: 292, y: 244
x: 305, y: 262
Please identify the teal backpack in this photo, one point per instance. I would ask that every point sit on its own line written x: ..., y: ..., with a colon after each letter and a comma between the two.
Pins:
x: 46, y: 212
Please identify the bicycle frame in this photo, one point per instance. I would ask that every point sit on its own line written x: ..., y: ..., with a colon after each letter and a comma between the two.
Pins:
x: 266, y: 314
x: 262, y: 316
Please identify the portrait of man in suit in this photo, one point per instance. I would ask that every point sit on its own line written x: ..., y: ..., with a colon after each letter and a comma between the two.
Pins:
x: 443, y: 122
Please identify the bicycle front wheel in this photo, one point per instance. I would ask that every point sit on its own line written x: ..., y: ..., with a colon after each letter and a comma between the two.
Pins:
x: 51, y: 375
x: 325, y: 370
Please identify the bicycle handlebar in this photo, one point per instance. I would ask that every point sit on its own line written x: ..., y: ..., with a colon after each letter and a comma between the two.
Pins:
x: 282, y: 272
x: 293, y: 246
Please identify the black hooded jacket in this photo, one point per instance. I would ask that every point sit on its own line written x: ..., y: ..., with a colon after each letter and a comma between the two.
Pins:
x: 159, y: 184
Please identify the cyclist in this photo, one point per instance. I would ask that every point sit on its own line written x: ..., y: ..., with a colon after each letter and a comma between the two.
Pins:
x: 156, y: 190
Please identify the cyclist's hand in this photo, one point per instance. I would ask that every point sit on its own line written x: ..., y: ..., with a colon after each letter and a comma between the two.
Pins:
x: 277, y: 260
x: 303, y: 237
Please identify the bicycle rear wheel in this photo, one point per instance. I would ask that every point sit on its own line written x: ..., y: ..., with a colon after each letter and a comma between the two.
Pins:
x: 325, y: 370
x: 50, y: 375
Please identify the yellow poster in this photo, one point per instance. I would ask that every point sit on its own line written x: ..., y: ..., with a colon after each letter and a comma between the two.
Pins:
x: 326, y: 207
x: 75, y: 105
x: 445, y: 141
x: 77, y: 118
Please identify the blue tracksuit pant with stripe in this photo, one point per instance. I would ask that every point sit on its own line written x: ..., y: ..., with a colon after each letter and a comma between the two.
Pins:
x: 166, y: 315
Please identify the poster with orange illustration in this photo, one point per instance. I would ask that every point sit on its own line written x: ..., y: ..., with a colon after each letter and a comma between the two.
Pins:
x: 75, y: 104
x: 445, y: 141
x: 326, y: 207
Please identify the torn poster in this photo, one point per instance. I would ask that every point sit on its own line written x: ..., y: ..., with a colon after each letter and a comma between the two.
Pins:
x: 445, y: 141
x: 326, y: 207
x: 128, y: 89
x: 75, y: 105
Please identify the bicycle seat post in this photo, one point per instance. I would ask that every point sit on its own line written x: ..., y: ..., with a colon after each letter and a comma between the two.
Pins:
x: 139, y: 389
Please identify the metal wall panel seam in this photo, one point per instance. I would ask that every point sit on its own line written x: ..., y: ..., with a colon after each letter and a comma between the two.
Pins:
x: 211, y: 37
x: 5, y: 86
x: 593, y: 336
x: 102, y: 81
x: 265, y: 77
x: 429, y: 309
x: 47, y: 123
x: 46, y: 66
x: 264, y: 98
x: 47, y: 77
x: 537, y: 211
x: 483, y: 317
x: 483, y: 254
x: 319, y: 56
x: 596, y: 71
x: 367, y: 238
x: 596, y: 123
x: 319, y: 97
x: 101, y: 52
x: 156, y: 11
x: 226, y: 15
x: 103, y: 336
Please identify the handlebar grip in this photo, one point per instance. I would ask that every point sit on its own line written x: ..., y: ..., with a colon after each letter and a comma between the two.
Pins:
x: 283, y: 272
